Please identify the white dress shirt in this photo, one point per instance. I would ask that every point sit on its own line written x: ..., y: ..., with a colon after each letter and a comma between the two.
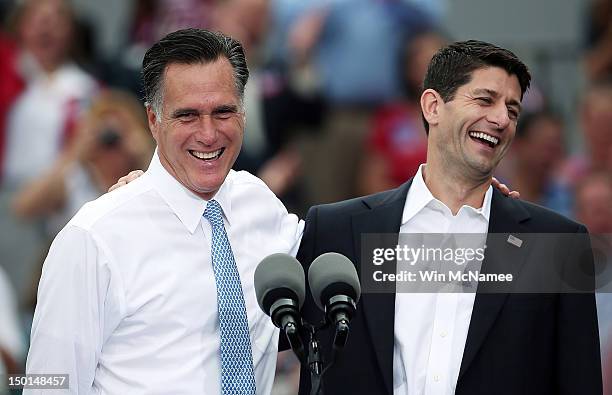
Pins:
x: 127, y: 299
x: 431, y: 328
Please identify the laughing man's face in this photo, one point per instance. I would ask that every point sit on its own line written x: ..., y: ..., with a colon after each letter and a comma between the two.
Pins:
x: 478, y: 125
x: 199, y: 133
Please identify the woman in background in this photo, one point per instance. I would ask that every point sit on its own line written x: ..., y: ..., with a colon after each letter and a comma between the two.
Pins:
x: 112, y: 139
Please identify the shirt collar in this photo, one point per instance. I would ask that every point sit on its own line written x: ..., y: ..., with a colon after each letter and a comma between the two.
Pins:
x: 420, y: 196
x: 188, y: 207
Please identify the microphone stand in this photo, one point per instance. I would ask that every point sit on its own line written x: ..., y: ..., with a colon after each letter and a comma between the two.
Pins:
x: 342, y: 308
x: 315, y: 361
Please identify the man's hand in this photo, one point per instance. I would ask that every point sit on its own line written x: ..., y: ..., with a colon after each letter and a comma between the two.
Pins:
x: 280, y: 172
x: 131, y: 176
x: 503, y: 188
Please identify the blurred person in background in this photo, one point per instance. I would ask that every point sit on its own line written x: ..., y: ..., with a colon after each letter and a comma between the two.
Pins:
x: 594, y: 209
x: 39, y: 122
x: 598, y: 56
x: 594, y: 202
x: 354, y: 47
x: 537, y: 153
x: 42, y: 118
x: 596, y: 126
x: 397, y: 144
x: 349, y: 51
x: 112, y: 138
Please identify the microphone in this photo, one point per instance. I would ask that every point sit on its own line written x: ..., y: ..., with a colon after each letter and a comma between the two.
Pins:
x: 335, y: 289
x: 280, y: 289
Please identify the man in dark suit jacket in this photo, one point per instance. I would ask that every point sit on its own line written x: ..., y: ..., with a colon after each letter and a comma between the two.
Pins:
x: 516, y: 343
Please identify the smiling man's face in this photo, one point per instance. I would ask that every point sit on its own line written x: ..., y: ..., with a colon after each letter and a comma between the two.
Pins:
x: 199, y: 133
x: 478, y: 125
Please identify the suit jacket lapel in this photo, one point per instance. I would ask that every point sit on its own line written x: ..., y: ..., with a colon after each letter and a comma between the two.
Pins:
x: 500, y: 257
x: 382, y: 214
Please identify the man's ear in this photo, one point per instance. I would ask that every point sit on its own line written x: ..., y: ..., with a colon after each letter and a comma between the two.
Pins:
x: 153, y: 121
x: 430, y: 106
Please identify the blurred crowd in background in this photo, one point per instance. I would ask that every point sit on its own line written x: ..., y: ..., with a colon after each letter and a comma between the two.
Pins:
x: 332, y: 110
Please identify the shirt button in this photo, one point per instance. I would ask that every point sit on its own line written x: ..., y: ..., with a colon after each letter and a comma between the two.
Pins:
x: 443, y: 334
x: 436, y: 378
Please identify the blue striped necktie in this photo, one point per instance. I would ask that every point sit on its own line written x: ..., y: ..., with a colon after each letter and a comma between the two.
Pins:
x: 237, y: 375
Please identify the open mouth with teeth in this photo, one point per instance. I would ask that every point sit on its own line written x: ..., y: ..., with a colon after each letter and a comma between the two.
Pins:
x: 484, y: 138
x: 207, y: 156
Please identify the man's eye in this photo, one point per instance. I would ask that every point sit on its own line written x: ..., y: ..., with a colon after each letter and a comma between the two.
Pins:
x: 224, y: 115
x: 187, y: 117
x: 484, y: 100
x: 513, y: 114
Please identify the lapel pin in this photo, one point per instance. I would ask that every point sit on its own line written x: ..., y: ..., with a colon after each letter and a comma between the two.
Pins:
x: 515, y: 241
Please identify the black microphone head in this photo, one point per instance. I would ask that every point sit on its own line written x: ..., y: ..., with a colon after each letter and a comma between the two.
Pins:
x: 279, y: 276
x: 333, y: 274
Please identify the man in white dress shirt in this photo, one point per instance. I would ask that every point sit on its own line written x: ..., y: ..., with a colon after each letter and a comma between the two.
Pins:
x: 130, y: 299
